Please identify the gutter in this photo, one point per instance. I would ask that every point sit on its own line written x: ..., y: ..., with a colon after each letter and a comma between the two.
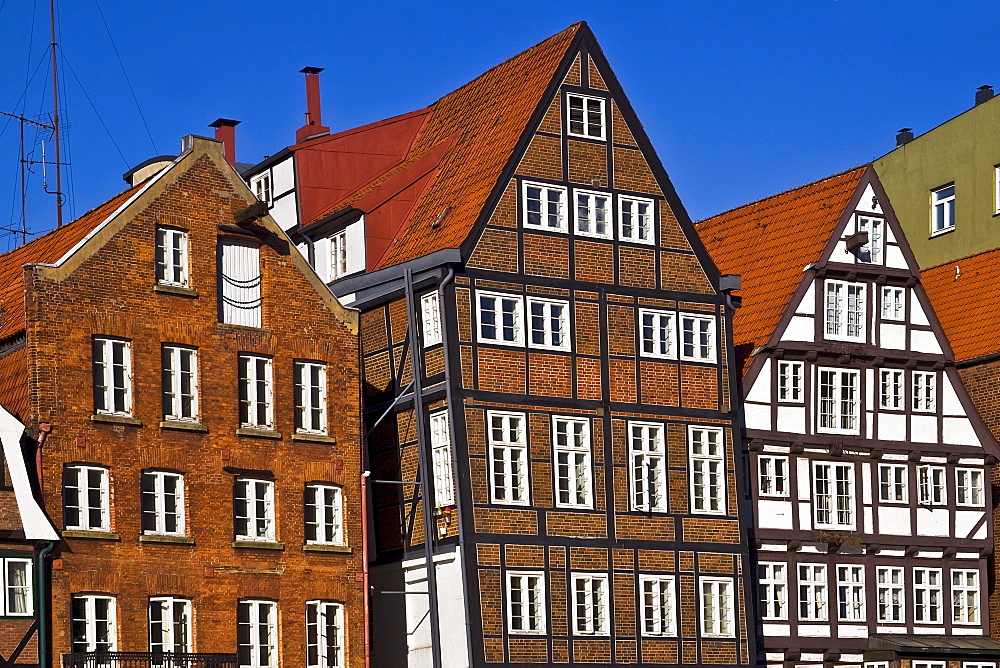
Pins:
x: 42, y: 601
x: 975, y: 361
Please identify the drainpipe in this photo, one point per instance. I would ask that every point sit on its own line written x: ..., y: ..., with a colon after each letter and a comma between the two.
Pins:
x: 42, y: 602
x: 43, y: 430
x: 364, y: 566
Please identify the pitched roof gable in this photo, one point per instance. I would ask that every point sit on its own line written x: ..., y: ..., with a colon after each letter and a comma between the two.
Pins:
x: 962, y: 293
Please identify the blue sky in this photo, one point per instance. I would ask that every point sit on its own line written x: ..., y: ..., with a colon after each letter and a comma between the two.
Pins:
x: 740, y: 99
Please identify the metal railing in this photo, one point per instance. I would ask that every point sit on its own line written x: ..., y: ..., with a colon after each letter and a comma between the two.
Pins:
x: 148, y: 660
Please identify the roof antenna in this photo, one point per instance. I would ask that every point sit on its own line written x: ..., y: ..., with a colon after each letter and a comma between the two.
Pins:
x: 55, y: 116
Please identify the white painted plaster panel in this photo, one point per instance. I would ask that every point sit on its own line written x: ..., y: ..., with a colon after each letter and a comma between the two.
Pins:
x: 775, y: 656
x: 356, y: 246
x: 802, y: 469
x: 777, y: 630
x: 321, y: 258
x: 929, y: 630
x: 930, y: 554
x: 924, y: 428
x: 814, y: 631
x: 932, y: 522
x: 792, y: 419
x: 892, y: 427
x: 807, y: 305
x: 284, y: 212
x: 933, y: 459
x: 892, y: 336
x: 966, y: 631
x: 812, y: 656
x: 965, y: 520
x: 758, y: 416
x: 917, y: 315
x: 760, y: 391
x: 870, y: 389
x: 283, y: 176
x: 868, y: 522
x: 894, y: 520
x: 799, y: 329
x: 866, y: 483
x: 894, y: 257
x: 924, y: 342
x: 869, y: 424
x: 781, y: 448
x: 773, y: 514
x: 851, y: 631
x: 967, y: 555
x: 959, y: 431
x: 950, y: 403
x: 805, y: 517
x: 890, y: 629
x: 865, y: 204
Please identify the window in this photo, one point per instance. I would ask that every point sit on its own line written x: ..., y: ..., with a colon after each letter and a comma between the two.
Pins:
x: 656, y: 329
x: 833, y: 495
x: 571, y: 439
x: 324, y: 511
x: 240, y: 284
x: 93, y: 623
x: 924, y: 391
x: 838, y: 401
x: 169, y: 624
x: 549, y: 323
x: 928, y: 664
x: 310, y: 397
x: 891, y: 389
x: 18, y: 599
x: 501, y: 318
x: 586, y: 116
x: 893, y: 303
x: 812, y: 592
x: 891, y: 594
x: 254, y: 510
x: 927, y: 596
x: 262, y: 187
x: 544, y: 207
x: 444, y: 486
x: 508, y: 458
x: 171, y: 257
x: 659, y: 607
x: 943, y: 209
x: 85, y: 498
x: 772, y: 475
x: 845, y: 311
x: 590, y: 604
x: 338, y: 255
x: 996, y: 200
x: 773, y: 579
x: 162, y: 503
x: 931, y: 486
x: 112, y: 376
x: 593, y: 214
x: 851, y: 593
x: 969, y: 487
x: 649, y: 467
x: 708, y: 471
x: 790, y: 382
x: 697, y: 338
x: 256, y: 401
x: 717, y: 607
x: 871, y: 252
x: 965, y: 596
x: 257, y: 634
x: 180, y: 383
x: 892, y: 483
x: 635, y: 219
x: 324, y: 634
x: 430, y: 318
x: 525, y: 602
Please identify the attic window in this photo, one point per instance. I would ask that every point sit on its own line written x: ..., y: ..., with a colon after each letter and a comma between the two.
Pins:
x: 262, y: 187
x: 871, y: 252
x: 586, y: 116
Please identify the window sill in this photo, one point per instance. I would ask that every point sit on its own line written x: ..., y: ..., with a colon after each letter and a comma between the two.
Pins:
x: 92, y: 535
x: 259, y: 433
x: 342, y: 549
x: 314, y: 438
x: 181, y: 425
x: 175, y: 290
x: 258, y: 545
x: 940, y: 232
x: 157, y: 538
x: 116, y: 419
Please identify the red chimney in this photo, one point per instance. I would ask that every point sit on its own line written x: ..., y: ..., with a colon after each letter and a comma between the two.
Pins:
x: 225, y: 131
x: 314, y: 121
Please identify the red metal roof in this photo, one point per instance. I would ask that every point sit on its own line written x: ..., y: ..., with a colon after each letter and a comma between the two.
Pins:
x: 964, y: 293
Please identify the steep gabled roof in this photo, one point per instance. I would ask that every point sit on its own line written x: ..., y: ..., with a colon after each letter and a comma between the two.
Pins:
x: 964, y: 293
x: 768, y: 243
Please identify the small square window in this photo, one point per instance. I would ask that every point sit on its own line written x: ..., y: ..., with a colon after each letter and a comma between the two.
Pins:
x: 924, y: 391
x: 501, y: 318
x: 697, y: 338
x: 171, y: 257
x: 931, y: 487
x: 969, y: 487
x: 526, y: 602
x: 508, y: 453
x: 790, y: 382
x: 586, y: 116
x: 893, y: 303
x: 659, y: 606
x: 656, y: 334
x: 845, y: 311
x: 261, y: 185
x: 943, y: 209
x: 893, y: 483
x: 772, y: 475
x: 544, y: 206
x: 548, y: 324
x: 593, y: 214
x: 635, y: 220
x: 891, y: 389
x: 590, y: 604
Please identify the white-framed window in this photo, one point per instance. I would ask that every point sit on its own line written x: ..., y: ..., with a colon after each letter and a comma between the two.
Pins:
x: 845, y: 311
x: 927, y: 595
x: 656, y: 333
x: 833, y: 495
x: 544, y: 206
x: 851, y: 593
x: 977, y: 664
x: 716, y: 603
x: 659, y: 605
x: 924, y: 391
x: 548, y: 323
x: 86, y: 500
x: 697, y: 337
x: 943, y: 209
x: 571, y: 446
x: 635, y: 220
x: 444, y: 484
x: 790, y: 382
x: 590, y: 604
x: 310, y: 397
x: 893, y: 483
x: 891, y: 390
x: 501, y: 318
x: 112, y: 376
x: 969, y: 488
x: 257, y: 634
x: 839, y: 393
x: 586, y: 116
x: 253, y: 502
x: 996, y: 208
x: 338, y: 255
x: 162, y: 503
x: 871, y: 252
x: 772, y: 475
x: 891, y: 594
x: 171, y: 257
x: 876, y: 664
x: 508, y: 458
x: 773, y: 580
x: 648, y: 458
x: 180, y: 383
x: 928, y: 664
x: 240, y: 282
x: 893, y: 303
x: 931, y: 485
x: 812, y: 593
x: 261, y: 185
x: 324, y: 514
x: 593, y: 214
x: 169, y: 624
x: 526, y: 604
x: 430, y: 318
x: 965, y: 596
x: 708, y: 470
x: 18, y: 597
x: 94, y: 623
x: 256, y: 389
x: 324, y: 634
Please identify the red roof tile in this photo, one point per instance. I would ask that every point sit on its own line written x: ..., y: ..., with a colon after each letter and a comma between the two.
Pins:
x: 964, y: 293
x: 14, y: 383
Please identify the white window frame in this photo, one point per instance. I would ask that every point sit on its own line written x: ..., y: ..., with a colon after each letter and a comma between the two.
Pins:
x: 112, y: 396
x: 928, y: 597
x: 256, y: 384
x: 813, y: 593
x: 791, y: 382
x: 161, y: 501
x: 932, y: 486
x: 168, y: 630
x: 977, y: 664
x: 444, y: 480
x: 517, y: 326
x: 259, y: 517
x: 554, y: 321
x: 641, y: 227
x: 893, y: 483
x: 310, y: 397
x: 262, y: 189
x: 526, y: 602
x: 430, y: 318
x: 571, y: 462
x: 338, y: 255
x: 180, y: 386
x: 657, y: 334
x: 773, y: 581
x: 996, y: 209
x: 928, y: 664
x: 890, y: 597
x: 82, y: 475
x: 838, y: 316
x: 943, y: 209
x: 893, y: 303
x: 320, y: 617
x: 172, y: 257
x: 24, y: 591
x: 837, y: 405
x: 831, y: 498
x: 590, y: 596
x: 924, y: 387
x: 851, y: 593
x: 965, y: 597
x: 707, y: 454
x: 508, y: 458
x: 587, y: 200
x: 269, y: 627
x: 659, y: 606
x: 772, y: 475
x: 701, y: 350
x: 90, y: 624
x: 970, y: 488
x: 324, y: 514
x: 648, y: 454
x: 875, y: 227
x: 892, y: 389
x: 716, y: 604
x: 561, y: 216
x: 585, y: 120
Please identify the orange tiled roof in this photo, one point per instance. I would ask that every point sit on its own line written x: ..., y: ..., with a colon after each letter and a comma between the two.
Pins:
x: 768, y: 243
x: 964, y: 302
x: 13, y: 383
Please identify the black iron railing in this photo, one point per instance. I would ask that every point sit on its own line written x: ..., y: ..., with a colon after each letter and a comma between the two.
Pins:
x: 148, y: 660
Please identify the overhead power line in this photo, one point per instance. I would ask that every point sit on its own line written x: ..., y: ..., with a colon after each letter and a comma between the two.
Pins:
x: 94, y: 107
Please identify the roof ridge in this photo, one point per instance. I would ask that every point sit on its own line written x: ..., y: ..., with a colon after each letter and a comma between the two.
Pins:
x: 959, y: 259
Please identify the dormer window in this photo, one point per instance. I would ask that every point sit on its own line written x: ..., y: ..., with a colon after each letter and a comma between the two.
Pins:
x: 262, y: 187
x: 586, y: 116
x: 871, y: 252
x: 338, y: 255
x: 845, y: 311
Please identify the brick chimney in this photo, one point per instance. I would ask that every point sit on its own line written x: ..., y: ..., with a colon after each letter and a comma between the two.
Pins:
x: 225, y: 131
x: 314, y: 120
